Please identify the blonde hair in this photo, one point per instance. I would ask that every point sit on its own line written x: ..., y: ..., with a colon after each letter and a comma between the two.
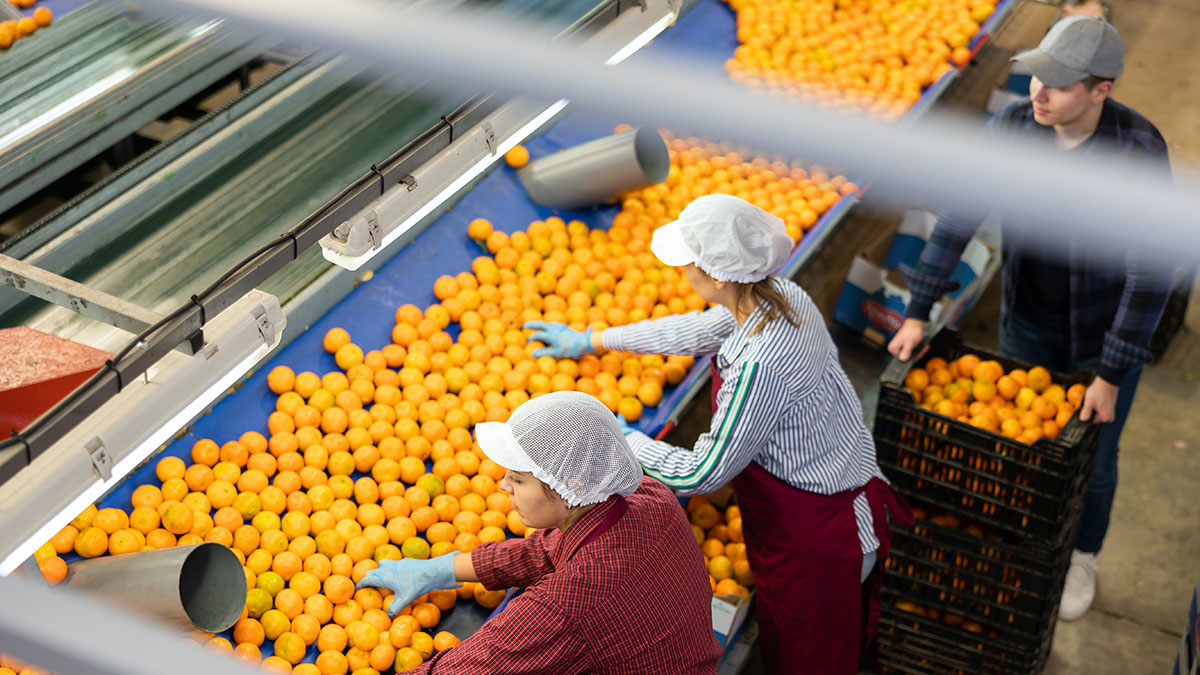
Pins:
x: 766, y: 295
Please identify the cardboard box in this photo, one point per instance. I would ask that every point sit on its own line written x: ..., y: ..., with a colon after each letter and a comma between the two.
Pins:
x: 728, y: 614
x: 874, y: 297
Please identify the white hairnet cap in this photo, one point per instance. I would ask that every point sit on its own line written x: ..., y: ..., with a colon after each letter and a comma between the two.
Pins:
x: 727, y: 237
x: 569, y: 441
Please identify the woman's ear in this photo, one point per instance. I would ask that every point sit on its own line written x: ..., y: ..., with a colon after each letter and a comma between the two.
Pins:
x: 717, y: 284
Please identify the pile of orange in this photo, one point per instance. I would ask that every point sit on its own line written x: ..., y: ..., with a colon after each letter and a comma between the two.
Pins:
x: 796, y: 194
x: 551, y: 271
x: 949, y: 618
x: 306, y: 531
x: 11, y: 31
x: 400, y: 419
x: 719, y: 535
x: 874, y: 56
x: 1021, y: 405
x: 11, y: 666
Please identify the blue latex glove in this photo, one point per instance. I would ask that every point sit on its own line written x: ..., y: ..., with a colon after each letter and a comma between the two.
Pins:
x: 561, y: 342
x: 409, y: 579
x: 625, y: 427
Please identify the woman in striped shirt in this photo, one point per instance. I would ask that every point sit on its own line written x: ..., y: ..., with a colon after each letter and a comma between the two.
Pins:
x: 787, y: 432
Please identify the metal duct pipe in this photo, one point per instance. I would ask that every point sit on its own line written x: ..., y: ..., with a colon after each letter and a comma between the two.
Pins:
x: 201, y: 586
x: 597, y: 171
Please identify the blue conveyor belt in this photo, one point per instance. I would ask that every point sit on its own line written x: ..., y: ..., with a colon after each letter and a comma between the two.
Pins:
x: 706, y: 34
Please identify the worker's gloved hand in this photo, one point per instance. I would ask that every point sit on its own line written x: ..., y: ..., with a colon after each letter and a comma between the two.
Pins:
x: 625, y: 426
x: 561, y: 341
x: 409, y: 579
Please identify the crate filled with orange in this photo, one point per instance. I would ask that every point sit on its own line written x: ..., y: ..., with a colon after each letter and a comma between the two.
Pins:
x: 989, y: 437
x: 719, y: 533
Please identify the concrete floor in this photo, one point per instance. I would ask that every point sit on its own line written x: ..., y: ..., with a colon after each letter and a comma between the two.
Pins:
x: 1151, y: 559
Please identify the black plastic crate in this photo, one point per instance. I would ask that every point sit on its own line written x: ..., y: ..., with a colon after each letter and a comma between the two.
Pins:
x: 976, y: 578
x: 1026, y: 490
x: 1173, y: 314
x: 917, y: 643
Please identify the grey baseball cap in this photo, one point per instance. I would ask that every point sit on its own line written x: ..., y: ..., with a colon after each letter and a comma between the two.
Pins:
x: 1076, y: 47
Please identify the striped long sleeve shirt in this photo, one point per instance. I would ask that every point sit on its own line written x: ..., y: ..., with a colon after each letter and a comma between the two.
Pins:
x: 785, y: 402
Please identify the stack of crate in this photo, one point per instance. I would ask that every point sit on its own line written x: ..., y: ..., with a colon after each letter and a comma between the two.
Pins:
x: 974, y: 586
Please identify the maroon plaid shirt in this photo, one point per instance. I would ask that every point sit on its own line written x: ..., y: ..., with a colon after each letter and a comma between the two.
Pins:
x: 634, y: 600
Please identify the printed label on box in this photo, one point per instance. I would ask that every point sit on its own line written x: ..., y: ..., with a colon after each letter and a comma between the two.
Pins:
x: 874, y: 296
x: 728, y: 614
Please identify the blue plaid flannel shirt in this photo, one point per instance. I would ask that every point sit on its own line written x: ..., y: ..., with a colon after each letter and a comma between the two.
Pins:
x: 1114, y: 308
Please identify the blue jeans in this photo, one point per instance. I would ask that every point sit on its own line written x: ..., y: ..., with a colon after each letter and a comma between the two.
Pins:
x: 1023, y: 339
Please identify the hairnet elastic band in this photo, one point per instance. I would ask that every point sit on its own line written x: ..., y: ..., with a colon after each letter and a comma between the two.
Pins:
x: 728, y: 277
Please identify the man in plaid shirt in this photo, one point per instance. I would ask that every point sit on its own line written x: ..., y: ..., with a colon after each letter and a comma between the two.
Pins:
x: 1074, y: 308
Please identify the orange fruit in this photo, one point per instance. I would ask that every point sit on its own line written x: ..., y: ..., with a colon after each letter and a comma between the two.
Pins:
x: 416, y: 548
x: 332, y: 637
x: 630, y: 408
x: 983, y: 390
x: 168, y: 468
x: 348, y: 355
x: 517, y: 157
x: 144, y: 495
x: 966, y: 364
x: 1038, y: 379
x: 466, y: 542
x: 1065, y: 412
x: 362, y: 635
x: 479, y: 229
x: 441, y: 531
x: 43, y: 16
x: 307, y: 627
x: 1049, y: 429
x: 64, y: 540
x: 248, y: 630
x: 335, y: 339
x: 649, y: 394
x: 290, y: 647
x: 712, y: 548
x: 1055, y: 394
x: 332, y: 662
x: 281, y: 379
x: 1024, y: 398
x: 705, y: 515
x: 407, y: 658
x: 1043, y: 408
x: 427, y: 614
x: 720, y: 567
x: 1007, y: 387
x: 204, y: 451
x: 143, y: 519
x: 917, y: 379
x: 486, y: 598
x: 381, y: 658
x: 54, y: 569
x: 445, y: 640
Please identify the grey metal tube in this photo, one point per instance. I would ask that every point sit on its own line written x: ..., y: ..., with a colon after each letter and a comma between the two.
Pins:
x: 597, y: 171
x: 201, y: 586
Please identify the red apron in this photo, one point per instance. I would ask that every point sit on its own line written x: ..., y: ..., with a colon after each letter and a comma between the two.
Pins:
x: 814, y: 614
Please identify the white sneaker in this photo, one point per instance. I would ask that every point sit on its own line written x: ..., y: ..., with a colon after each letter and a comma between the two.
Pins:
x: 1080, y: 589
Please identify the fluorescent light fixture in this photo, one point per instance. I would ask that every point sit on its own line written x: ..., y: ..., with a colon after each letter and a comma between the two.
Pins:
x: 132, y: 426
x: 395, y: 214
x: 642, y: 40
